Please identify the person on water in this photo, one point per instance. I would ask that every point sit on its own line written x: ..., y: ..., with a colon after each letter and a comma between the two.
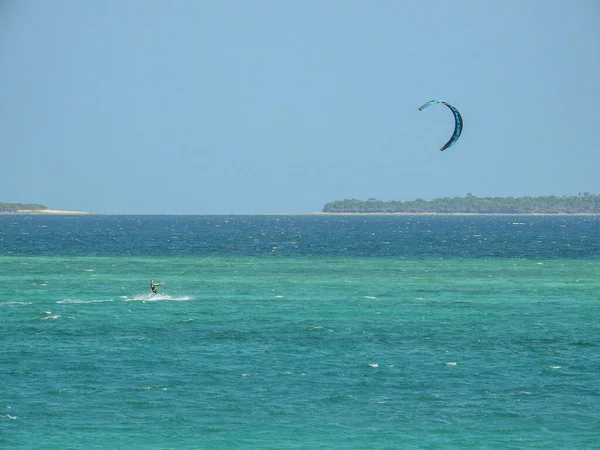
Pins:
x: 153, y: 286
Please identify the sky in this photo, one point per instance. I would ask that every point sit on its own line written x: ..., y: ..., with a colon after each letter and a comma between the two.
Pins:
x: 269, y: 106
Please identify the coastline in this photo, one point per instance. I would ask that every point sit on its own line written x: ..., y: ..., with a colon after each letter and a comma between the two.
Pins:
x: 466, y: 214
x: 45, y: 212
x: 428, y: 214
x: 57, y: 212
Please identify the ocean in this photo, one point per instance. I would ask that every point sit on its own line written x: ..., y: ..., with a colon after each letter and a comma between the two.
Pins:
x: 316, y: 332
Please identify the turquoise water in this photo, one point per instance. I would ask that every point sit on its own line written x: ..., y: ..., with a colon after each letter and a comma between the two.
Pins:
x: 300, y: 332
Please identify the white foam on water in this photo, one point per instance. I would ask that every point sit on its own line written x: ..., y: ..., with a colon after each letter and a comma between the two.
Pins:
x: 68, y: 301
x: 52, y: 316
x: 150, y: 388
x: 156, y: 298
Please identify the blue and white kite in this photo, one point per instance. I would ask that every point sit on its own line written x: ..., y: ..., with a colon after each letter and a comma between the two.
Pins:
x: 458, y: 126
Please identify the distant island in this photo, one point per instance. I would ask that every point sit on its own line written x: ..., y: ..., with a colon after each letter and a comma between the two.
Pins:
x: 31, y: 208
x: 585, y: 203
x: 16, y: 207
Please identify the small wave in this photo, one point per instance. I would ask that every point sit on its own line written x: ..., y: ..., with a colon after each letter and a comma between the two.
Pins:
x: 15, y: 303
x: 370, y: 297
x: 581, y: 342
x: 53, y: 317
x: 150, y: 388
x: 339, y: 398
x: 156, y: 298
x: 374, y: 365
x: 452, y: 363
x: 69, y: 301
x: 8, y: 416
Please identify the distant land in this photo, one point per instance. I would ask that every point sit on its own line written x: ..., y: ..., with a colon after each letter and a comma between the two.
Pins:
x: 31, y: 208
x: 585, y: 203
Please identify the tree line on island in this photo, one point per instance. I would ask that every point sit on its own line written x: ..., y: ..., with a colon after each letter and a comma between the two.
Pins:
x: 585, y: 203
x: 16, y: 207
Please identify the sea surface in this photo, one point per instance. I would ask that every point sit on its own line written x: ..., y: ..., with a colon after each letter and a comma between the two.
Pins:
x: 316, y: 332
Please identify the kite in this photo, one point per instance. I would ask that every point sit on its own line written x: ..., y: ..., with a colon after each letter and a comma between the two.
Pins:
x: 458, y: 126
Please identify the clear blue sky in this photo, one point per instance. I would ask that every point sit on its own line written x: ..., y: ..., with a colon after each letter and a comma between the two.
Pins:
x: 218, y: 107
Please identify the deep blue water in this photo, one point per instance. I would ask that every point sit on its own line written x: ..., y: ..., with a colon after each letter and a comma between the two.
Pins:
x: 323, y: 236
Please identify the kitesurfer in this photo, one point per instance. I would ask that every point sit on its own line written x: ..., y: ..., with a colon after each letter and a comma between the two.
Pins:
x: 153, y: 286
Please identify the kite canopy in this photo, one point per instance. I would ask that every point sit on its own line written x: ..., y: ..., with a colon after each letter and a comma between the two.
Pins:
x: 458, y: 125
